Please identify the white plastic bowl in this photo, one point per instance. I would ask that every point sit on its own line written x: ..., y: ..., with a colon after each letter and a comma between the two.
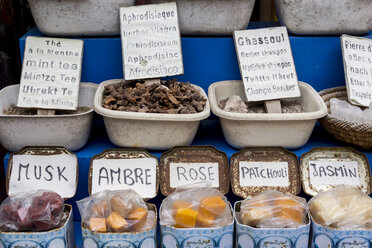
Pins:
x: 78, y: 17
x: 149, y: 130
x: 325, y: 17
x: 70, y: 131
x: 291, y: 130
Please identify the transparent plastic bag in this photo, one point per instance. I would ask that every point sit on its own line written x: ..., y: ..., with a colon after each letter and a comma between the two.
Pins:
x: 196, y: 207
x: 116, y: 211
x: 344, y: 207
x: 40, y: 210
x: 272, y: 209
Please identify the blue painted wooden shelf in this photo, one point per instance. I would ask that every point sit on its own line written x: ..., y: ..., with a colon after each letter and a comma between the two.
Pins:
x: 207, y: 60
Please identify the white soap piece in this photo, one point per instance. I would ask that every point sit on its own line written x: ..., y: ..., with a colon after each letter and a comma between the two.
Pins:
x: 235, y: 104
x: 343, y: 110
x: 327, y: 210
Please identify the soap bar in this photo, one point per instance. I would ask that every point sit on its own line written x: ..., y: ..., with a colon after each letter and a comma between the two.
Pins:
x: 97, y: 224
x: 186, y: 217
x: 214, y: 205
x: 101, y: 209
x: 254, y: 212
x: 289, y: 209
x: 203, y: 220
x: 327, y: 210
x: 137, y: 218
x: 118, y: 205
x: 116, y: 222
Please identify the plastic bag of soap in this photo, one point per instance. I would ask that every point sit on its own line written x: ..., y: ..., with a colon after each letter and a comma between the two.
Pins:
x: 116, y: 211
x: 344, y: 207
x: 272, y: 209
x: 196, y: 207
x: 35, y: 211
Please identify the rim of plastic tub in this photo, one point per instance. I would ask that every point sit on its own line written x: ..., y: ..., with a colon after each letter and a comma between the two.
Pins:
x: 322, y: 109
x: 146, y: 116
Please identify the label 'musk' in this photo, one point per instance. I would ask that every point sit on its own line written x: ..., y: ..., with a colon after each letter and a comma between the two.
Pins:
x: 43, y: 168
x: 266, y: 64
x: 357, y: 57
x: 51, y: 73
x: 151, y: 42
x: 120, y: 169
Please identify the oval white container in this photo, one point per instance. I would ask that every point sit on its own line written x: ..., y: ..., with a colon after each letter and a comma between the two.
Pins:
x: 149, y: 130
x: 290, y: 130
x: 78, y: 17
x: 325, y: 17
x: 70, y: 131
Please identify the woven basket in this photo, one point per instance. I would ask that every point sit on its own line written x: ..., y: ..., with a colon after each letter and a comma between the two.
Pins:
x: 347, y: 131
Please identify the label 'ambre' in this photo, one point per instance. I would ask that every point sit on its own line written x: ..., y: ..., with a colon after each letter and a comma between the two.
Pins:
x: 51, y: 73
x: 151, y: 41
x: 266, y: 64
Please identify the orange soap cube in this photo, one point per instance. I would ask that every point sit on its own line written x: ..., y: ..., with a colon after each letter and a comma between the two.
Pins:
x: 97, y: 224
x: 204, y: 220
x: 180, y: 204
x: 137, y: 218
x: 186, y: 217
x: 289, y: 209
x: 213, y: 205
x: 116, y: 222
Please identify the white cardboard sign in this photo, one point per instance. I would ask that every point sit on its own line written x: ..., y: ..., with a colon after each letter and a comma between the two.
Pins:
x: 357, y: 56
x: 182, y: 174
x: 138, y: 174
x: 151, y: 42
x: 51, y: 73
x: 54, y: 172
x: 263, y: 174
x: 334, y: 173
x: 266, y: 64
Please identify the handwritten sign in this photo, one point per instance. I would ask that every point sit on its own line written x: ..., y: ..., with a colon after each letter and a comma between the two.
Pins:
x: 266, y: 64
x: 151, y: 41
x: 357, y: 56
x: 263, y: 174
x: 55, y: 172
x: 138, y: 174
x: 334, y: 173
x: 51, y: 73
x: 189, y: 173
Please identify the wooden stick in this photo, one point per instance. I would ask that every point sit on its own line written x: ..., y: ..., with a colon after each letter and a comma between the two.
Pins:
x: 273, y: 106
x: 46, y: 112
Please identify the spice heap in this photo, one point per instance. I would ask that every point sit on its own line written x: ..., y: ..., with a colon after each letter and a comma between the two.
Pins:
x: 196, y: 208
x: 344, y: 207
x: 116, y: 211
x: 273, y: 209
x: 32, y: 211
x: 169, y: 97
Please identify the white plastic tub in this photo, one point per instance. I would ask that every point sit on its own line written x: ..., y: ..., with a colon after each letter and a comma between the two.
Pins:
x: 286, y: 130
x: 149, y: 130
x: 70, y: 131
x: 78, y: 17
x: 212, y: 17
x: 311, y: 17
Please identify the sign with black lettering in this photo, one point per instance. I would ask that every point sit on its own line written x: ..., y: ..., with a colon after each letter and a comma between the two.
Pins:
x: 357, y: 56
x: 266, y: 64
x: 334, y: 172
x: 51, y: 73
x: 54, y: 172
x: 263, y: 174
x: 138, y: 174
x: 151, y: 42
x: 189, y: 173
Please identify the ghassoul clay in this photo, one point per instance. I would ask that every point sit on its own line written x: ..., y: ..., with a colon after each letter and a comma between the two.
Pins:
x: 14, y: 110
x: 168, y: 97
x: 237, y: 105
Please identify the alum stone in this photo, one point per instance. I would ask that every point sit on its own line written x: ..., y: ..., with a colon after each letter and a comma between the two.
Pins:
x: 343, y: 110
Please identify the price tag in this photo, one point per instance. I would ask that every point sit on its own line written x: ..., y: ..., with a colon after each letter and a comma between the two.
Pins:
x: 334, y: 172
x: 151, y: 41
x: 138, y: 174
x: 51, y: 73
x: 190, y: 173
x: 54, y: 172
x: 357, y: 56
x: 266, y: 64
x: 263, y: 174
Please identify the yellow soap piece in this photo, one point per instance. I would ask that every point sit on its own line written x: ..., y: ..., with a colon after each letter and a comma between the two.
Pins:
x: 116, y: 222
x: 137, y: 218
x: 253, y: 213
x: 214, y: 205
x: 289, y: 209
x: 101, y: 209
x: 97, y: 224
x: 118, y: 205
x: 205, y: 220
x: 186, y: 217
